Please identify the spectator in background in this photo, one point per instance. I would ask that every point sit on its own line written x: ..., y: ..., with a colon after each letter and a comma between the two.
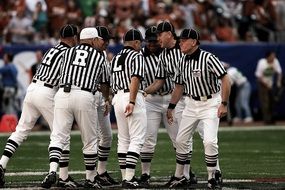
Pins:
x: 243, y: 89
x: 73, y: 13
x: 40, y: 21
x: 267, y: 69
x: 56, y: 16
x: 20, y: 28
x: 9, y: 80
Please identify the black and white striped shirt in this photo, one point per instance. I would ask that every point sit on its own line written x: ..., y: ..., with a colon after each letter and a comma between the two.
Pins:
x: 83, y: 66
x: 200, y: 73
x: 126, y: 64
x: 151, y: 63
x: 49, y: 69
x: 168, y: 61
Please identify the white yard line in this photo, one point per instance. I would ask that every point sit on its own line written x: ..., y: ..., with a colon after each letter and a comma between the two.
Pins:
x: 163, y: 130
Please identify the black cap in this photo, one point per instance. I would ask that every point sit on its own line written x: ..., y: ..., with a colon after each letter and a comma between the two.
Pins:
x: 150, y: 34
x: 165, y: 27
x: 68, y: 30
x: 190, y: 33
x: 132, y: 35
x: 103, y: 32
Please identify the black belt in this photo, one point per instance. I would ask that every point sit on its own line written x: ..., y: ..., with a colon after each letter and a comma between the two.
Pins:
x: 45, y: 84
x: 84, y: 89
x: 201, y: 98
x: 164, y: 93
x: 125, y: 91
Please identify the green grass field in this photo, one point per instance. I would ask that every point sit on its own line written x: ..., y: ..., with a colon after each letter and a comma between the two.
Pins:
x: 245, y: 154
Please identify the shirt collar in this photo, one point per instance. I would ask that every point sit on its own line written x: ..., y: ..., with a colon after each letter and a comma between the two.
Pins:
x: 174, y: 47
x: 64, y: 44
x: 129, y: 47
x: 146, y: 52
x: 194, y: 56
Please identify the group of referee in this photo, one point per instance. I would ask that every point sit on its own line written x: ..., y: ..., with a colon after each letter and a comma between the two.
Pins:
x: 169, y: 80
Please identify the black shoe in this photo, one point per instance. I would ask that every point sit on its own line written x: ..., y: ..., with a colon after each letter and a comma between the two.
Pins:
x: 193, y: 178
x: 213, y: 184
x: 68, y: 183
x: 105, y: 179
x: 176, y: 182
x: 2, y: 176
x: 144, y: 180
x: 132, y: 184
x: 49, y: 180
x: 218, y: 177
x: 91, y: 185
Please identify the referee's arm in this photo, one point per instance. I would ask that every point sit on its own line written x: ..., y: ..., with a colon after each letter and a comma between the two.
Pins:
x: 225, y: 93
x: 175, y: 97
x: 155, y: 86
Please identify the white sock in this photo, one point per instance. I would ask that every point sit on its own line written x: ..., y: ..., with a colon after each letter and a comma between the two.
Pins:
x: 129, y: 174
x: 218, y: 165
x: 101, y: 168
x: 63, y: 173
x: 179, y: 170
x: 123, y: 172
x: 186, y: 171
x: 4, y: 161
x: 90, y: 174
x: 53, y: 167
x: 145, y: 167
x: 211, y: 172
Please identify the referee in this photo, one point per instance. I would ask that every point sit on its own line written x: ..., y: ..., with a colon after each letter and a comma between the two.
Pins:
x: 83, y: 67
x: 156, y: 104
x: 127, y: 74
x: 165, y: 72
x: 39, y: 100
x: 206, y: 81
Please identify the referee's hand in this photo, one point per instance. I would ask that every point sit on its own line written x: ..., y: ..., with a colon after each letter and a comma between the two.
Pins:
x: 222, y: 111
x: 169, y: 116
x: 107, y: 108
x: 129, y: 109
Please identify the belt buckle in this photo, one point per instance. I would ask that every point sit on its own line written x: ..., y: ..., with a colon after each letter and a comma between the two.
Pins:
x: 203, y: 98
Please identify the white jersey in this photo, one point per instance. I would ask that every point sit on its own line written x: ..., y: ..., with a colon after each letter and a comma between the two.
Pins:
x: 267, y: 71
x: 236, y: 76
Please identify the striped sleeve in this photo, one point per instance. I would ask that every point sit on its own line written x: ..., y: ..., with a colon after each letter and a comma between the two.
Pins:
x: 216, y: 66
x: 138, y: 66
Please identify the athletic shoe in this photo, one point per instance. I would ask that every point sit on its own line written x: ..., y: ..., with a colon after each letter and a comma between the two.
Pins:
x: 176, y: 182
x: 49, y: 180
x: 91, y: 185
x: 68, y: 183
x: 2, y: 176
x: 105, y: 179
x: 193, y: 178
x: 212, y: 183
x: 248, y: 120
x: 132, y: 184
x: 144, y: 180
x: 218, y: 177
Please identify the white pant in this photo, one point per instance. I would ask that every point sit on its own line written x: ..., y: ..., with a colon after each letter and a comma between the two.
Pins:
x: 156, y: 107
x: 132, y: 129
x: 104, y: 123
x: 78, y: 105
x: 39, y: 100
x: 205, y: 112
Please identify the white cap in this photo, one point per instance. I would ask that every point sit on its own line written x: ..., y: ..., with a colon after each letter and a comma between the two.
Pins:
x: 89, y: 32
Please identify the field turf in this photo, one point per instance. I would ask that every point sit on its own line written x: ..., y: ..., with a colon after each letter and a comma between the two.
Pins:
x: 250, y: 158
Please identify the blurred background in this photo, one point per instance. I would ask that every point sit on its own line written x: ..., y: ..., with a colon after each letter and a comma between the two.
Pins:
x: 239, y: 32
